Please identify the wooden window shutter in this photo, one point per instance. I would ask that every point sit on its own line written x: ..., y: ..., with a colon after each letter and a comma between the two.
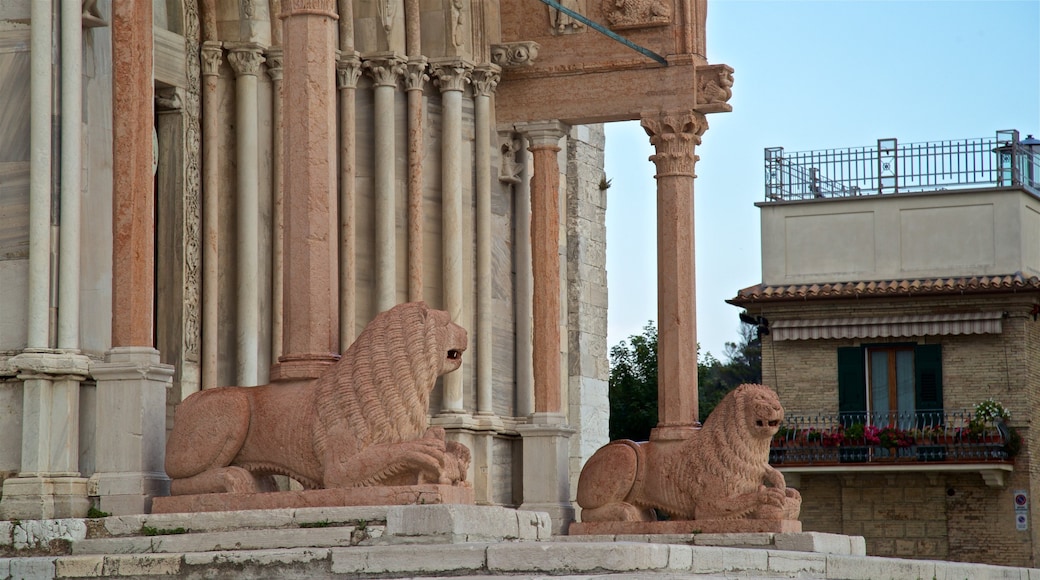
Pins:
x: 852, y: 385
x: 928, y: 368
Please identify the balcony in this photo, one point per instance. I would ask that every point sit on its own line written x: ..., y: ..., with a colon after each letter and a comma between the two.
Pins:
x: 925, y: 441
x: 893, y: 167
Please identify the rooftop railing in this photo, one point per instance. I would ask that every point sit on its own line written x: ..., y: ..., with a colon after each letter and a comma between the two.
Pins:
x: 893, y: 167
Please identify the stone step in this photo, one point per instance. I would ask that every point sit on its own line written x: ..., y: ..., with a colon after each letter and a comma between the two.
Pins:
x: 320, y: 537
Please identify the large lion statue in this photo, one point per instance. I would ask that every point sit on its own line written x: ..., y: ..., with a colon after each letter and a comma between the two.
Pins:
x: 362, y: 422
x: 721, y: 472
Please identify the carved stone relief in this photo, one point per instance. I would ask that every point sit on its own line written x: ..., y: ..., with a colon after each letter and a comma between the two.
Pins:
x: 348, y: 71
x: 456, y: 23
x: 192, y: 184
x: 714, y: 84
x: 562, y: 23
x: 514, y: 54
x: 624, y: 14
x: 452, y: 75
x: 509, y: 145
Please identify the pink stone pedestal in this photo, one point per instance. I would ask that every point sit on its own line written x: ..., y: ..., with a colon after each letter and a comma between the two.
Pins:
x: 685, y: 527
x: 359, y: 496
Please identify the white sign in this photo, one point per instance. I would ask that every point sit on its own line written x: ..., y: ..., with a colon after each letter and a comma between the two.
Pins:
x: 1021, y: 499
x: 1021, y: 521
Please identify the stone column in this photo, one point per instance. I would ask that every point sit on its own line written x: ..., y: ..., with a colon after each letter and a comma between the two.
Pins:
x: 348, y: 71
x: 71, y: 170
x: 245, y: 59
x: 212, y: 56
x: 385, y: 69
x: 524, y: 282
x: 310, y: 294
x: 274, y: 70
x: 452, y: 76
x: 131, y: 382
x: 415, y: 80
x: 674, y: 136
x: 40, y: 90
x: 546, y: 437
x: 485, y: 80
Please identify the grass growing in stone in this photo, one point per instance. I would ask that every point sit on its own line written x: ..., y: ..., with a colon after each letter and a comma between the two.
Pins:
x: 321, y: 524
x: 150, y: 531
x: 94, y: 513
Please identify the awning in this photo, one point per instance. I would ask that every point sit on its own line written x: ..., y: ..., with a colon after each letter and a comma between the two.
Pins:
x: 888, y: 326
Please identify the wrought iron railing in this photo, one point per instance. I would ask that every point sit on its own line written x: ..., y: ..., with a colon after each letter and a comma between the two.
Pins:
x: 923, y: 436
x: 893, y: 167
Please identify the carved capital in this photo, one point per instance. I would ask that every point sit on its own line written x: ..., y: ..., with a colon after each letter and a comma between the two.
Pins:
x: 415, y: 74
x: 452, y: 75
x: 246, y: 58
x: 348, y: 70
x: 485, y: 79
x: 542, y: 135
x: 513, y: 54
x: 212, y: 56
x: 714, y: 84
x: 674, y: 136
x: 318, y: 7
x: 384, y: 70
x: 274, y: 63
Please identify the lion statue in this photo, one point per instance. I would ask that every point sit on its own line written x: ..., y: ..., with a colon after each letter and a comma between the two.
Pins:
x: 362, y: 422
x: 720, y: 473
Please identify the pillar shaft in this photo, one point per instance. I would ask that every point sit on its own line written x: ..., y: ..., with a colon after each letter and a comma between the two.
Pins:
x: 415, y: 79
x: 310, y: 316
x: 485, y: 79
x: 71, y: 161
x: 348, y: 71
x: 212, y: 56
x: 274, y: 70
x: 40, y: 175
x: 674, y: 137
x: 452, y: 77
x: 524, y: 289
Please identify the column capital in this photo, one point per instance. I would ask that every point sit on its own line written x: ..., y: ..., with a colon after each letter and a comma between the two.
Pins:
x: 674, y: 136
x: 316, y: 7
x: 542, y: 133
x: 212, y: 56
x: 416, y: 74
x: 452, y: 75
x: 245, y: 58
x: 348, y: 70
x: 485, y: 79
x: 384, y: 69
x: 274, y: 63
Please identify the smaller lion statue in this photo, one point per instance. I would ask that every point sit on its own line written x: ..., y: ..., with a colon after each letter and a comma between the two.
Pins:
x: 721, y: 473
x: 363, y: 422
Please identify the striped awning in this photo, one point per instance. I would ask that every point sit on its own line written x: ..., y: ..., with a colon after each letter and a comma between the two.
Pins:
x: 888, y: 326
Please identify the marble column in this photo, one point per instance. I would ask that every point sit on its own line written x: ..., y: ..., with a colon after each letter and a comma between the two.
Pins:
x: 40, y: 91
x: 245, y: 59
x: 348, y: 72
x: 516, y: 145
x: 131, y: 383
x: 212, y: 57
x: 674, y: 136
x: 385, y: 70
x: 415, y: 81
x: 274, y: 70
x: 546, y: 437
x: 71, y: 171
x: 452, y: 77
x: 310, y: 295
x: 485, y: 80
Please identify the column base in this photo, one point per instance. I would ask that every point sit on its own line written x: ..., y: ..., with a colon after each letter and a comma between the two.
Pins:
x: 44, y: 498
x: 674, y: 432
x: 546, y: 479
x: 561, y: 516
x: 477, y: 433
x: 301, y: 368
x: 128, y: 493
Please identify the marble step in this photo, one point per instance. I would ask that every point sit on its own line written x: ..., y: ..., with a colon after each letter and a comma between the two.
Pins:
x: 320, y: 537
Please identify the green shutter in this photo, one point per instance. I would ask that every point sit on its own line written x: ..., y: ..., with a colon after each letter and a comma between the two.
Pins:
x: 928, y: 368
x: 852, y: 384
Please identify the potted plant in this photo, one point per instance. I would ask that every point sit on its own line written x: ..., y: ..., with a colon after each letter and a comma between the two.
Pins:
x: 988, y: 414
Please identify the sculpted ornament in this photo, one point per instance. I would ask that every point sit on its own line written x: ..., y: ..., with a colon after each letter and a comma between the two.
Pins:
x: 513, y: 54
x: 624, y: 14
x: 721, y: 473
x: 714, y: 84
x: 363, y: 422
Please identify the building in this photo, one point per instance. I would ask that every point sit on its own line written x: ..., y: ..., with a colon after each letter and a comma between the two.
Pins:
x: 900, y: 289
x: 197, y: 193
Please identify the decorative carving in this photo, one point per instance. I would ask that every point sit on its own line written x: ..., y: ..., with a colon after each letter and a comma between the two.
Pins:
x: 485, y: 79
x: 248, y: 9
x: 193, y: 183
x: 510, y: 168
x: 513, y: 54
x: 719, y: 473
x: 91, y: 15
x: 362, y: 422
x: 320, y: 7
x: 167, y: 99
x: 452, y: 75
x: 624, y: 14
x: 416, y: 74
x: 212, y: 56
x: 714, y: 84
x: 245, y: 58
x: 456, y: 23
x: 387, y: 12
x: 348, y: 70
x: 674, y: 136
x: 564, y: 24
x: 274, y: 57
x: 384, y: 70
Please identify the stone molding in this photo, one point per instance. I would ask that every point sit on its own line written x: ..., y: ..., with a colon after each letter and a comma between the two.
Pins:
x: 415, y: 75
x: 245, y: 58
x: 212, y: 56
x: 452, y: 75
x: 674, y: 136
x: 714, y: 84
x: 348, y: 70
x: 515, y: 54
x: 50, y: 365
x: 274, y: 57
x: 132, y: 363
x: 384, y: 69
x: 316, y: 7
x: 543, y: 133
x: 485, y: 79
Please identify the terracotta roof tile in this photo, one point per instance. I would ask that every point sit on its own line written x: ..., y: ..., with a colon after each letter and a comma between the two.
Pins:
x: 868, y: 288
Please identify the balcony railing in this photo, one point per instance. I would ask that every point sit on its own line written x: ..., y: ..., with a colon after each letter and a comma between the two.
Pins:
x: 922, y: 437
x: 893, y: 167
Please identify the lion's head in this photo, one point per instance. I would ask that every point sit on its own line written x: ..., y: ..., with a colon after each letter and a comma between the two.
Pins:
x: 752, y: 408
x: 450, y: 338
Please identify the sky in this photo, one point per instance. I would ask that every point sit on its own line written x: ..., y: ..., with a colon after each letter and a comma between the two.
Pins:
x: 812, y: 74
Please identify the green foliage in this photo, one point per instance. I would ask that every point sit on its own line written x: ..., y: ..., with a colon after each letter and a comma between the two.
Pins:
x: 150, y: 531
x: 321, y: 524
x: 93, y: 513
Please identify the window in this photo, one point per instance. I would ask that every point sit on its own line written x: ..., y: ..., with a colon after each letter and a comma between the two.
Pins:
x: 902, y: 380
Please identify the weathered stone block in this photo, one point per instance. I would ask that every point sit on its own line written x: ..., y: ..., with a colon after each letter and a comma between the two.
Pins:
x: 792, y: 564
x: 576, y: 557
x: 79, y: 566
x: 142, y: 565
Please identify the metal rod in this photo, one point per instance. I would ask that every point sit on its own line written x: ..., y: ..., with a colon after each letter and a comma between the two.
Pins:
x: 603, y: 30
